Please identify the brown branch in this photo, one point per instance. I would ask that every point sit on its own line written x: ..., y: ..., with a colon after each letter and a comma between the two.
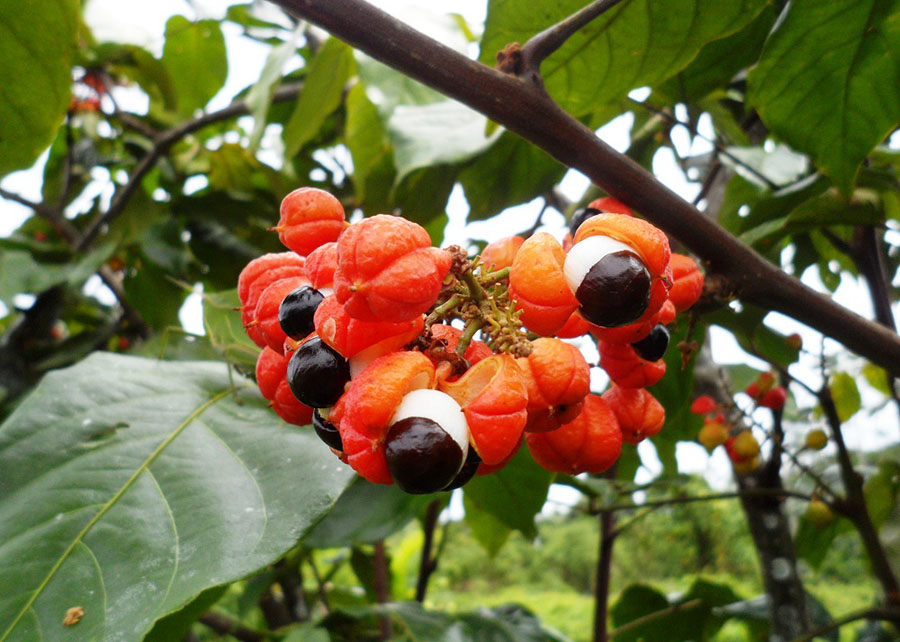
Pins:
x: 688, y: 499
x: 224, y: 625
x: 891, y: 615
x: 541, y: 45
x: 429, y: 563
x: 162, y: 143
x: 528, y: 111
x: 607, y: 539
x: 856, y: 509
x: 382, y: 591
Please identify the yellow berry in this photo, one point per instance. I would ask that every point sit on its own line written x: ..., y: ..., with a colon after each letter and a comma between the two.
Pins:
x: 818, y: 513
x: 747, y: 465
x: 816, y: 439
x: 745, y: 445
x: 713, y: 434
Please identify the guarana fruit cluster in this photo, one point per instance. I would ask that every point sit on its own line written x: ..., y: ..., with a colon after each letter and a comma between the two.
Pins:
x: 423, y: 367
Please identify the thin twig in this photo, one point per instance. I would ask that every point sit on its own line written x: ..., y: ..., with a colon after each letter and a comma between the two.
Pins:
x: 382, y: 591
x: 224, y: 625
x: 891, y: 615
x: 687, y: 499
x: 650, y: 617
x: 161, y: 145
x: 604, y: 568
x: 428, y: 563
x: 541, y: 45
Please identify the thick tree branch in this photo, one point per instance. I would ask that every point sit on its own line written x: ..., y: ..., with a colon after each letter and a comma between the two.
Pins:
x: 526, y: 110
x: 162, y: 143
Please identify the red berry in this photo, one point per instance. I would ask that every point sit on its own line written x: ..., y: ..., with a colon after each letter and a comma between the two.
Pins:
x: 774, y: 398
x: 703, y: 405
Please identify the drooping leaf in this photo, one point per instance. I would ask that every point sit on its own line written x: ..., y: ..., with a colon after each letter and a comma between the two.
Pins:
x: 194, y: 55
x: 514, y: 495
x: 487, y: 530
x: 754, y: 336
x: 37, y: 44
x: 259, y: 98
x: 321, y: 94
x: 365, y: 512
x: 846, y: 396
x: 131, y: 485
x: 373, y: 159
x: 634, y: 44
x: 881, y: 491
x: 175, y: 625
x: 826, y: 81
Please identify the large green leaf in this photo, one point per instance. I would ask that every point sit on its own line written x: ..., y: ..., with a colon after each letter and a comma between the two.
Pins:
x: 487, y: 530
x: 827, y: 81
x: 128, y: 486
x: 636, y: 43
x: 322, y: 91
x: 373, y: 156
x: 514, y: 495
x: 194, y: 55
x: 37, y: 42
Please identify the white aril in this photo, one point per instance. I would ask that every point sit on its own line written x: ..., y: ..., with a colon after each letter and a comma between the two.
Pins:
x: 585, y: 254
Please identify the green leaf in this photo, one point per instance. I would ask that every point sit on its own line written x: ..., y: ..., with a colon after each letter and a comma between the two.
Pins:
x: 877, y: 378
x: 487, y: 530
x: 511, y: 172
x: 307, y: 633
x: 222, y: 321
x: 446, y: 132
x: 881, y: 491
x: 846, y: 395
x: 632, y: 45
x: 719, y: 61
x: 373, y: 158
x: 259, y: 98
x: 514, y: 494
x: 194, y: 55
x: 37, y: 44
x: 826, y: 81
x: 635, y: 601
x: 322, y: 91
x: 175, y: 625
x: 813, y: 542
x: 131, y: 485
x: 753, y: 336
x: 366, y: 512
x: 422, y: 195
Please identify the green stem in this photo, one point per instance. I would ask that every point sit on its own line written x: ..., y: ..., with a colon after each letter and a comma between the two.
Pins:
x: 472, y: 326
x: 492, y: 277
x: 443, y: 309
x: 474, y: 286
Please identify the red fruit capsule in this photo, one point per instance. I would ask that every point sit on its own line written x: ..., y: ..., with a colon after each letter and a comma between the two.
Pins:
x: 310, y: 217
x: 351, y: 336
x: 260, y: 266
x: 286, y: 406
x: 558, y: 379
x: 257, y: 287
x: 704, y: 405
x: 626, y: 368
x: 266, y: 311
x: 687, y: 282
x: 476, y: 351
x: 590, y: 443
x: 501, y: 253
x: 321, y: 264
x: 271, y: 370
x: 387, y: 269
x: 538, y: 285
x: 640, y: 415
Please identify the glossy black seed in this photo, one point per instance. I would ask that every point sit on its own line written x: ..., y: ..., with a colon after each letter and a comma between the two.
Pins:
x: 421, y: 456
x: 295, y: 314
x: 579, y: 216
x: 317, y: 374
x: 467, y: 472
x: 653, y: 346
x: 327, y: 431
x: 615, y: 291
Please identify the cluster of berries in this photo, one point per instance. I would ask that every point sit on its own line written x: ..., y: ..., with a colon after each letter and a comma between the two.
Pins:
x: 740, y: 444
x: 355, y: 326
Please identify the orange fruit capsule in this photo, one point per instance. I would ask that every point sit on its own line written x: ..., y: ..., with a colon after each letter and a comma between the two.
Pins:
x: 687, y: 282
x: 640, y: 415
x: 266, y: 311
x: 634, y: 332
x: 500, y: 253
x: 558, y: 379
x: 626, y: 369
x: 262, y: 265
x: 487, y: 469
x: 576, y: 326
x: 611, y: 205
x: 590, y: 443
x: 538, y: 285
x: 310, y: 217
x: 351, y: 336
x: 387, y: 269
x: 257, y: 287
x: 493, y: 397
x: 321, y: 264
x: 649, y: 242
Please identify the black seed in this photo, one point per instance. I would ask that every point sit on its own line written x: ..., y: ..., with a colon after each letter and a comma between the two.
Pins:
x: 615, y: 291
x: 295, y: 314
x: 327, y: 431
x: 317, y: 374
x: 579, y: 216
x: 653, y: 346
x: 422, y: 456
x: 467, y: 472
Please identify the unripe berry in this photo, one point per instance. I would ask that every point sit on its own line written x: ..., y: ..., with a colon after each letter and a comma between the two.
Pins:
x: 712, y: 435
x: 745, y: 444
x: 818, y: 513
x: 816, y: 439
